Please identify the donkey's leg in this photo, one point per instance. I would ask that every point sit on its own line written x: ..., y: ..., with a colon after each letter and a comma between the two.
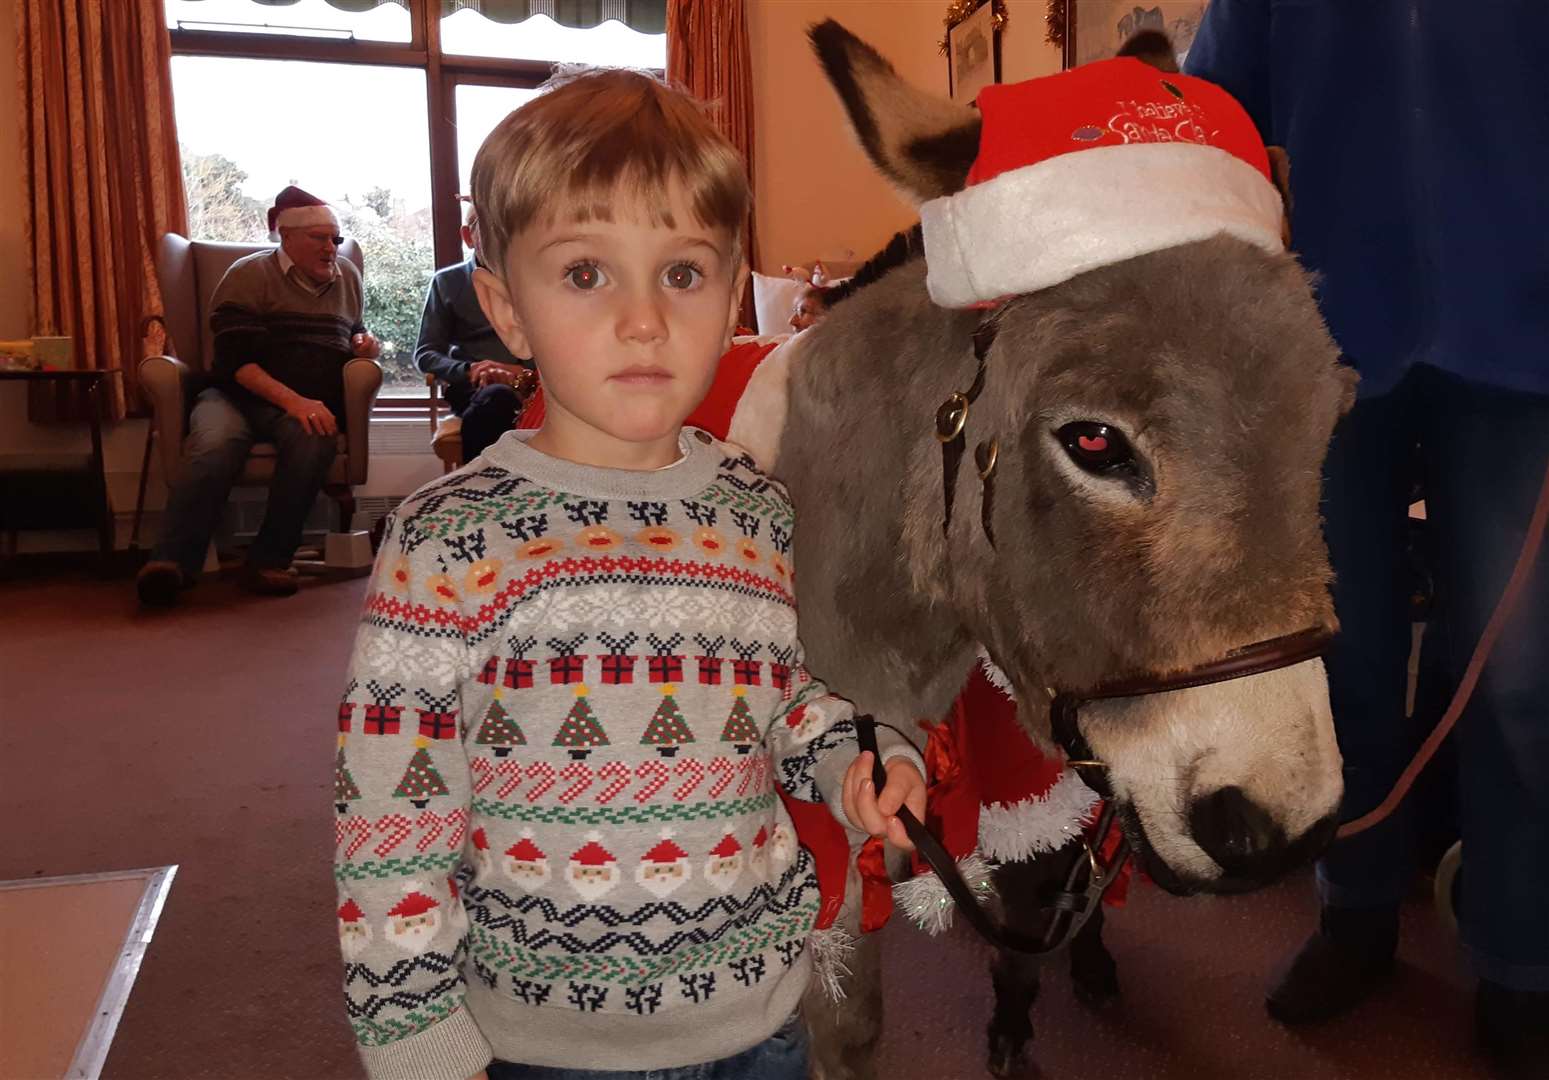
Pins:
x: 1015, y: 976
x: 1093, y: 972
x: 845, y: 1034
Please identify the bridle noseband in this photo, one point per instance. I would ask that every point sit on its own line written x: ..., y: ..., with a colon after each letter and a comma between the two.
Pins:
x: 1256, y: 659
x: 1088, y: 878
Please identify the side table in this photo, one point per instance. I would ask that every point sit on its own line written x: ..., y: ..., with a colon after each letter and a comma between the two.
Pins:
x: 95, y: 382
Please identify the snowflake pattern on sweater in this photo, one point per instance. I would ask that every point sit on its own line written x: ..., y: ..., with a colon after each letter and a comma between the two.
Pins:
x: 539, y: 806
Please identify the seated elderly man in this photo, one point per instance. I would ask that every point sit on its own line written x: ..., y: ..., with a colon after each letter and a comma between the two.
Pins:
x: 285, y: 322
x: 485, y: 383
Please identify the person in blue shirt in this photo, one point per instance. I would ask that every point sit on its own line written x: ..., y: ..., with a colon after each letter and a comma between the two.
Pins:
x: 1418, y: 137
x: 485, y: 384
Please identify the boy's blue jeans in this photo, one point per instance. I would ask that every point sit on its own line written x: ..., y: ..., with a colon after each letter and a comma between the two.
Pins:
x: 782, y: 1056
x: 220, y: 435
x: 1483, y: 452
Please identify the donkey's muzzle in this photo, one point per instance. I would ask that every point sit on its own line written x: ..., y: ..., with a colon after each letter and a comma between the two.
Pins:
x: 1247, y: 843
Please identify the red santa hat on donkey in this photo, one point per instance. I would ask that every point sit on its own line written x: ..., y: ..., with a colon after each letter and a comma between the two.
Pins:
x: 1091, y: 167
x: 294, y: 208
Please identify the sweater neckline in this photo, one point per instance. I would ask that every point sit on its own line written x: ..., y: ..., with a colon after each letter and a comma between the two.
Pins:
x: 687, y: 477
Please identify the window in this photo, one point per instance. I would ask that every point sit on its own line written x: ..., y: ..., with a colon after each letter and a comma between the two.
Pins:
x: 479, y: 109
x: 341, y: 97
x: 247, y: 128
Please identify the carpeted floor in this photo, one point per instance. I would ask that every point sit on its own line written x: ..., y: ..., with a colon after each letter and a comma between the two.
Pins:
x: 204, y: 737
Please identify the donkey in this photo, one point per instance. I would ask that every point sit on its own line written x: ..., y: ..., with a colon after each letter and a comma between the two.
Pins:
x: 1195, y: 533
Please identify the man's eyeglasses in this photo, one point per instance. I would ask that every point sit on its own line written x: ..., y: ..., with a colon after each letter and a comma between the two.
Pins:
x: 324, y: 238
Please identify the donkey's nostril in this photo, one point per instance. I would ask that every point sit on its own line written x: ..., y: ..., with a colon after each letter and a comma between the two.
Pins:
x: 1235, y: 831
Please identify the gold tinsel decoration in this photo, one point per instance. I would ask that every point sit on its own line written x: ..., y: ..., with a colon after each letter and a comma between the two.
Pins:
x: 1054, y: 18
x: 958, y: 10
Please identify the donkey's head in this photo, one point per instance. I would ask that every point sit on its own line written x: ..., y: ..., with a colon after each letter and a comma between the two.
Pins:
x: 1153, y: 431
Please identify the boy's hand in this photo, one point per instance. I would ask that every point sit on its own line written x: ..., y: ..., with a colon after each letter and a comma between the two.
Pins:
x: 879, y: 815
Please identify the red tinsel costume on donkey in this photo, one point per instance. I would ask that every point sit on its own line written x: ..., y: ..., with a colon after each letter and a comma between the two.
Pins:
x: 1075, y: 171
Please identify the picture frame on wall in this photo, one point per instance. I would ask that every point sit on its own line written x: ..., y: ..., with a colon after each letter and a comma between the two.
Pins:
x: 973, y: 51
x: 1088, y: 30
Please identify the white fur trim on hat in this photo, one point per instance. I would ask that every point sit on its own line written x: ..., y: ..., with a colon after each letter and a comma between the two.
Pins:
x: 1034, y: 227
x: 301, y: 217
x: 1011, y: 832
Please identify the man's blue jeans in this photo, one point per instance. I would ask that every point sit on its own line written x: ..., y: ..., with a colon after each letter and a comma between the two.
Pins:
x: 1482, y: 454
x: 782, y: 1056
x: 220, y: 435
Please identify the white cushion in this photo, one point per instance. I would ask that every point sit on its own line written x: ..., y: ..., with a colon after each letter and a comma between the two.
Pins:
x: 774, y: 298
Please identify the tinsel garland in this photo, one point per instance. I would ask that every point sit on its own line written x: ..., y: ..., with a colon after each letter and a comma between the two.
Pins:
x: 1054, y: 18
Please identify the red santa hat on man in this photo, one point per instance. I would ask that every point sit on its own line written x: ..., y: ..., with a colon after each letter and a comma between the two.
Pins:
x: 1091, y: 167
x: 294, y: 208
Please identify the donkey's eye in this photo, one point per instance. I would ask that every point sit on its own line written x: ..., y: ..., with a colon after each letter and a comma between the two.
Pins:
x: 1096, y: 447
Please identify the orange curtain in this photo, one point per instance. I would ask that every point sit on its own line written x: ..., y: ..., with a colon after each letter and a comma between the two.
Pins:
x: 708, y: 55
x: 100, y: 151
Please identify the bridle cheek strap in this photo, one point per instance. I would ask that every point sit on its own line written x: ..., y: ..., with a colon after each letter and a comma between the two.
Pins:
x: 951, y: 422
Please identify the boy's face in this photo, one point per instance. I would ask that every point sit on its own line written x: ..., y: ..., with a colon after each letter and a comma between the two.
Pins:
x: 625, y: 320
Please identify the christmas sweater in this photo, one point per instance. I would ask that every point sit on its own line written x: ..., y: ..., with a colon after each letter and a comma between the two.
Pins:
x: 575, y: 703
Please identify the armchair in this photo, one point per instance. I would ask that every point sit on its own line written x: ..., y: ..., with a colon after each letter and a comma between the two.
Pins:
x: 188, y: 271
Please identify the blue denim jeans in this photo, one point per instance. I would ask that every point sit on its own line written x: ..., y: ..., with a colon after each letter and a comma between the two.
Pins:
x: 782, y: 1056
x: 220, y: 435
x: 1482, y: 454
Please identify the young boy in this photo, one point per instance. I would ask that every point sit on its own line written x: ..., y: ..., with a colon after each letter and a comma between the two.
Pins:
x: 577, y: 684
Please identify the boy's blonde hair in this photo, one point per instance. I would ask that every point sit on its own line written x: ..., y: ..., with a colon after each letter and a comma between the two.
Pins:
x: 593, y: 136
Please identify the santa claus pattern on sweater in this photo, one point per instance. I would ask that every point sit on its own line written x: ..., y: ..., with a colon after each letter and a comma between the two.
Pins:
x: 573, y: 695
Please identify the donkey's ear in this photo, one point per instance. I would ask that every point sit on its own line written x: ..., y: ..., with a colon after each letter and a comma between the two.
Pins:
x: 922, y: 143
x: 1152, y: 47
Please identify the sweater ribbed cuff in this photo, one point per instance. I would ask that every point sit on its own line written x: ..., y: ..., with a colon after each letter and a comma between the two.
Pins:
x: 451, y: 1049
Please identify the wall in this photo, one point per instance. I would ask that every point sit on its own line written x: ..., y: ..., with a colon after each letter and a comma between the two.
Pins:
x: 818, y: 196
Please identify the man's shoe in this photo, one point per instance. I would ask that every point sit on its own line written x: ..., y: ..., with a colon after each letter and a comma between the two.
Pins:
x: 268, y: 581
x: 1512, y: 1030
x: 1338, y: 967
x: 158, y: 583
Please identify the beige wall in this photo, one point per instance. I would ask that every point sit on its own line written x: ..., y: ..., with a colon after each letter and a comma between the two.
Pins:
x: 15, y: 307
x: 818, y: 196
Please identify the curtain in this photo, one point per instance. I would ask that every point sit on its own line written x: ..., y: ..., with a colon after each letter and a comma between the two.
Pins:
x: 646, y: 16
x: 708, y: 55
x: 105, y: 181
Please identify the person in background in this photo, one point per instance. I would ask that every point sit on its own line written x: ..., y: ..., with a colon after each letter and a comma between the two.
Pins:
x: 284, y: 322
x: 485, y: 384
x: 810, y: 306
x: 1419, y: 142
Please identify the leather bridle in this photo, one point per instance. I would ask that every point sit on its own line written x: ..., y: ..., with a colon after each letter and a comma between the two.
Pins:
x: 1088, y: 878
